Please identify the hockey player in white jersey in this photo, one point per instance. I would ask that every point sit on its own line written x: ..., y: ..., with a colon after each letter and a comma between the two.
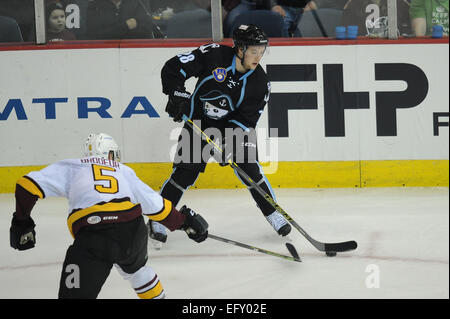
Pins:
x: 107, y: 202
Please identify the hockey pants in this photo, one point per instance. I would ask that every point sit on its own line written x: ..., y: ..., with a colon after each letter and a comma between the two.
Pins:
x: 96, y: 249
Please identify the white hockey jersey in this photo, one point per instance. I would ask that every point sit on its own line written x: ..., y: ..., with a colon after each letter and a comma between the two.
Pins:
x: 98, y: 190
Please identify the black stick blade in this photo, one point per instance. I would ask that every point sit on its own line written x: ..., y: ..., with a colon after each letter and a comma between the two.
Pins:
x: 293, y: 251
x: 341, y: 247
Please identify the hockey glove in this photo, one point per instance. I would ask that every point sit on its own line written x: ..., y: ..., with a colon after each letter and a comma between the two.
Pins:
x: 21, y: 234
x: 195, y: 226
x: 178, y: 104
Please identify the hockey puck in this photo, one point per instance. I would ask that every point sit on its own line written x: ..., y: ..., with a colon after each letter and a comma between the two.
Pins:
x: 331, y: 253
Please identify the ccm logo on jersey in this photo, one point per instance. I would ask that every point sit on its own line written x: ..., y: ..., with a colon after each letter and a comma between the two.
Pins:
x: 220, y: 74
x: 110, y: 218
x: 97, y: 219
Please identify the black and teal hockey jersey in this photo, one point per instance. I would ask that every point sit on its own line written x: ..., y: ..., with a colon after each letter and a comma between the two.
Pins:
x: 223, y: 97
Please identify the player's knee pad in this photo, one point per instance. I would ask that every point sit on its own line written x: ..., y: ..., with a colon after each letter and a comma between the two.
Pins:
x: 145, y: 283
x: 180, y: 181
x: 183, y: 178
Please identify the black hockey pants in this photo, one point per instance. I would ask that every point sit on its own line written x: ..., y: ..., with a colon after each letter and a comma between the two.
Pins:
x: 96, y: 248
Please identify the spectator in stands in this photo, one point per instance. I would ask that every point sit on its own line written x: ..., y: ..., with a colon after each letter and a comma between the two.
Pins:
x: 291, y: 11
x: 119, y: 19
x: 9, y: 30
x: 427, y: 13
x: 76, y: 16
x: 235, y: 8
x: 56, y: 23
x: 178, y: 6
x: 228, y: 7
x: 371, y: 17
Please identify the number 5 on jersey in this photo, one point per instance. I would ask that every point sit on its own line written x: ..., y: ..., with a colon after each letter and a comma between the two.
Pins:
x: 97, y: 170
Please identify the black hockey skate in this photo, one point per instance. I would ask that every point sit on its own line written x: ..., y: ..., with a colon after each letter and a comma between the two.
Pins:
x: 157, y: 232
x: 279, y: 223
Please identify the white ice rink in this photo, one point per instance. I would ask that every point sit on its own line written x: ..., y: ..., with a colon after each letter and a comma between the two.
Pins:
x: 403, y: 237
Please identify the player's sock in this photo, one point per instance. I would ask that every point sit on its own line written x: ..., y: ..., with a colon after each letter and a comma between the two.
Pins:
x: 145, y: 282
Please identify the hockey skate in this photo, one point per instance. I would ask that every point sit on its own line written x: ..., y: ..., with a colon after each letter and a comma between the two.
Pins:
x: 279, y: 223
x: 157, y: 234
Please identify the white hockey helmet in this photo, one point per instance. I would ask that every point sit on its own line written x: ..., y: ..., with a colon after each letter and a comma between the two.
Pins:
x: 102, y: 145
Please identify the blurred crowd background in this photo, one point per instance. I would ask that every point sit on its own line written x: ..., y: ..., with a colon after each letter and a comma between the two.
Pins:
x: 68, y: 20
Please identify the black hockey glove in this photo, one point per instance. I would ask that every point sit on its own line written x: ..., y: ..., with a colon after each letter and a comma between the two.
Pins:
x: 21, y: 234
x: 179, y: 103
x: 195, y: 226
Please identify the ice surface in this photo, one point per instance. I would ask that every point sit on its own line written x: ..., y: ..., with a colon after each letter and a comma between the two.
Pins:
x: 403, y: 233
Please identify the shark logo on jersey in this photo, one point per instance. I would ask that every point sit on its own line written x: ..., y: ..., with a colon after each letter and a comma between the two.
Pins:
x: 216, y: 105
x: 220, y: 74
x: 214, y: 112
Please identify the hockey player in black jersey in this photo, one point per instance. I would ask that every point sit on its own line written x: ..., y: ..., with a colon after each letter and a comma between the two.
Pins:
x: 231, y: 92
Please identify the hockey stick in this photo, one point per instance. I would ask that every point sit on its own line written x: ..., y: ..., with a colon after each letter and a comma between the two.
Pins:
x: 290, y: 247
x: 330, y: 248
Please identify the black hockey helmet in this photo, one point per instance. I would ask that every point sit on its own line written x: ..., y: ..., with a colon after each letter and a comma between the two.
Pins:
x: 249, y: 34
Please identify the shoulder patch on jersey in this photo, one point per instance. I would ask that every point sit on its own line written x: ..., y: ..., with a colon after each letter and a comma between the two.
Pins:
x: 220, y: 74
x: 205, y: 48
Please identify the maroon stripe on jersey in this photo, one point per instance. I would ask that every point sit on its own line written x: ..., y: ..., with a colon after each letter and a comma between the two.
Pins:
x: 115, y: 200
x: 101, y: 218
